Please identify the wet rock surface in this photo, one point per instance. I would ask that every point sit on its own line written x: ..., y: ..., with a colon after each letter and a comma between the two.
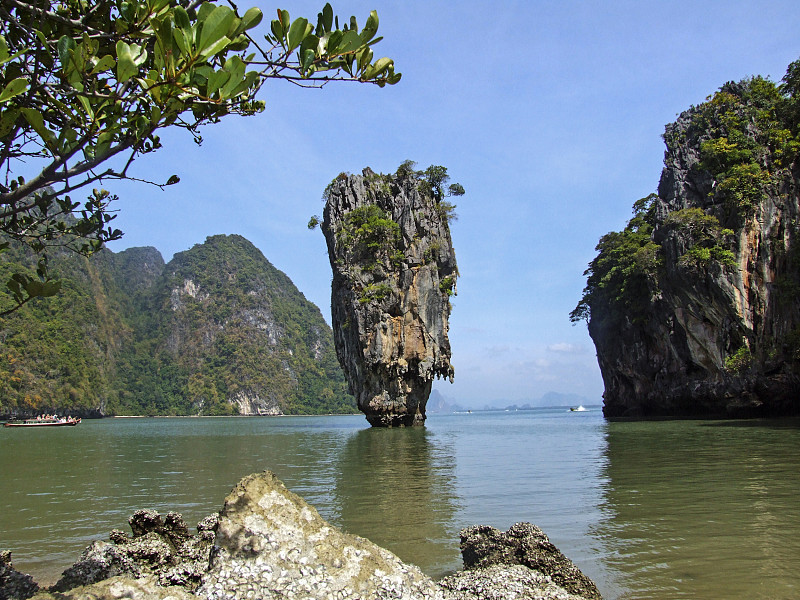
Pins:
x: 527, y: 545
x: 394, y: 269
x: 269, y: 543
x: 161, y: 548
x: 14, y: 584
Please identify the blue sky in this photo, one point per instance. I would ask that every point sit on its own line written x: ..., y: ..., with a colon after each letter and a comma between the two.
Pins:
x: 550, y: 115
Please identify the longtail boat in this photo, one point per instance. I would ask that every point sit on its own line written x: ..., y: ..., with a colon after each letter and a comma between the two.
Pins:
x: 44, y: 422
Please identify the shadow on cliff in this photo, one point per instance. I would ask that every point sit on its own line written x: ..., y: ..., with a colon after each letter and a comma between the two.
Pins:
x: 397, y: 490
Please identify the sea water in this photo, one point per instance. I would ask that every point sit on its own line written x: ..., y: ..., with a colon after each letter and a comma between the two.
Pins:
x: 649, y: 510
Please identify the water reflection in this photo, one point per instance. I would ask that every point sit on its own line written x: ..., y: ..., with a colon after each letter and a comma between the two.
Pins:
x: 683, y: 498
x: 71, y: 487
x: 395, y: 487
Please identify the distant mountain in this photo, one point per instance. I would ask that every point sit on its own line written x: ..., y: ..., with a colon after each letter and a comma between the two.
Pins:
x: 440, y: 404
x: 217, y: 330
x: 558, y: 399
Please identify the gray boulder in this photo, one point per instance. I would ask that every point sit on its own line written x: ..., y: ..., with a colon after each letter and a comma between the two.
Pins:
x: 119, y: 587
x: 271, y: 544
x: 504, y: 582
x: 483, y: 547
x: 161, y: 548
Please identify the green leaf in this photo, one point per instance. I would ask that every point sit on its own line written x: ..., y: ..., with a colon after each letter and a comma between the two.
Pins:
x: 86, y: 106
x: 216, y: 80
x: 251, y: 19
x: 364, y: 58
x: 15, y: 288
x: 310, y: 42
x: 214, y: 27
x: 4, y: 57
x: 216, y: 47
x: 14, y: 88
x: 350, y: 42
x: 181, y: 18
x: 378, y: 68
x: 297, y: 32
x: 327, y: 17
x: 8, y: 118
x: 104, y: 64
x: 308, y: 59
x: 332, y: 41
x: 126, y: 68
x: 205, y: 9
x: 182, y: 40
x: 235, y: 67
x: 36, y: 120
x: 371, y: 28
x: 65, y: 44
x: 139, y: 54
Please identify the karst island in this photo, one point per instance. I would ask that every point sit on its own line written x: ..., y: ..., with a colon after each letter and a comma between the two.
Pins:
x: 394, y: 271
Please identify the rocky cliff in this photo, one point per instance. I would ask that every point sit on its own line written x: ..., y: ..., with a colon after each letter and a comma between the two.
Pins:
x: 394, y: 270
x: 243, y: 334
x: 217, y: 330
x: 695, y: 307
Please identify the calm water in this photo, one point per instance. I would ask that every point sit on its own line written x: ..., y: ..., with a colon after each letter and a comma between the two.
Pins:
x: 672, y: 509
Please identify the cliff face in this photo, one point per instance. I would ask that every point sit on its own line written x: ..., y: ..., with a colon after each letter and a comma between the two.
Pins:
x: 243, y: 334
x: 394, y: 270
x: 694, y: 309
x: 217, y: 330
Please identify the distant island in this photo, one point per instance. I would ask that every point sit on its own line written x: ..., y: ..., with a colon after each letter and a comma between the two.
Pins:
x: 439, y: 403
x: 216, y: 331
x: 694, y: 307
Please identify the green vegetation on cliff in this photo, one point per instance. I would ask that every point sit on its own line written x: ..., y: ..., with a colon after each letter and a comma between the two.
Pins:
x: 625, y: 272
x: 215, y: 331
x: 748, y: 138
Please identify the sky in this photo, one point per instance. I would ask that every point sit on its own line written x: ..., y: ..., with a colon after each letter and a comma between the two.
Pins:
x: 550, y: 114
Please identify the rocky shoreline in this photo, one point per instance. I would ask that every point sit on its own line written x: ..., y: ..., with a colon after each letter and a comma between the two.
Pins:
x: 267, y: 542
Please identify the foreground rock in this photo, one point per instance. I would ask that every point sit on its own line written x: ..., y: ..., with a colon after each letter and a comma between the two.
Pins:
x: 394, y: 269
x: 14, y: 584
x: 269, y: 543
x: 117, y: 587
x: 486, y: 551
x: 161, y: 549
